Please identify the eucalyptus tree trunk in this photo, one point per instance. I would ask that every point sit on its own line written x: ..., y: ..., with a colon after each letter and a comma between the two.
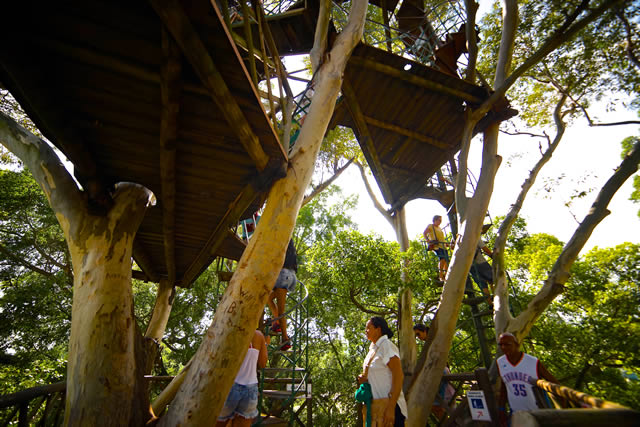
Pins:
x: 104, y: 372
x: 406, y: 338
x: 427, y: 375
x: 158, y: 323
x: 214, y: 366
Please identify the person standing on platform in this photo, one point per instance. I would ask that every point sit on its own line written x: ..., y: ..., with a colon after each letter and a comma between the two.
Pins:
x: 434, y: 236
x: 286, y: 282
x: 517, y: 369
x: 241, y: 405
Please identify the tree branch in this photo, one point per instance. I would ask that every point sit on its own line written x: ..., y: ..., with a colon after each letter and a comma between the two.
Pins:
x: 559, y: 274
x: 23, y: 262
x: 323, y: 185
x: 502, y: 314
x: 321, y: 35
x: 352, y: 297
x: 548, y: 46
x: 472, y: 42
x: 373, y: 197
x: 632, y: 56
x: 47, y: 169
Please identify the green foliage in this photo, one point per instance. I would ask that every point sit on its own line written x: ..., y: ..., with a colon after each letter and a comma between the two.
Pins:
x: 35, y: 286
x: 320, y: 221
x: 591, y: 336
x: 627, y: 145
x: 590, y: 67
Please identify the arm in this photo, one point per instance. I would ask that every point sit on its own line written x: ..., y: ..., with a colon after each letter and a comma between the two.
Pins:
x: 545, y: 374
x: 262, y: 346
x: 427, y: 234
x: 397, y: 377
x: 502, y: 401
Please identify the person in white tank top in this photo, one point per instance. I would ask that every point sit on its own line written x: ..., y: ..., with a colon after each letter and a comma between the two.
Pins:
x: 516, y: 370
x: 241, y: 405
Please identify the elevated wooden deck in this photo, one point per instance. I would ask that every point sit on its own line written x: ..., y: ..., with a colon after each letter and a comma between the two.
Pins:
x: 407, y: 118
x: 110, y: 88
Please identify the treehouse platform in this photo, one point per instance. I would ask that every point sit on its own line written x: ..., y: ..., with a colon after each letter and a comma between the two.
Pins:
x: 154, y: 93
x: 406, y: 116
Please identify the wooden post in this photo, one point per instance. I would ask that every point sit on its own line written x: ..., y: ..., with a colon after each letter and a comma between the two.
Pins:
x: 482, y: 376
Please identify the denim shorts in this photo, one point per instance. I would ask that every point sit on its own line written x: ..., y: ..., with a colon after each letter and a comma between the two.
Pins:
x: 442, y: 254
x: 286, y: 280
x: 242, y: 400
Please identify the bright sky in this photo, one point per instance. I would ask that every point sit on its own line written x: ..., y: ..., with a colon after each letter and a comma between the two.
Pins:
x: 586, y: 158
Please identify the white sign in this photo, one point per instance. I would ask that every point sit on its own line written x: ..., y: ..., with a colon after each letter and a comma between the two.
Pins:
x: 478, y: 405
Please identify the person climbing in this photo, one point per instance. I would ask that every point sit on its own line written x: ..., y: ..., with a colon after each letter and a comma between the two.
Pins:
x: 446, y: 392
x: 481, y: 270
x: 241, y: 405
x: 434, y: 236
x: 517, y: 369
x: 421, y: 331
x: 286, y: 282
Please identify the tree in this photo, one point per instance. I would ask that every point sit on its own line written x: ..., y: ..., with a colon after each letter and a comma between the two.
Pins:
x: 561, y: 30
x: 577, y: 75
x: 212, y: 369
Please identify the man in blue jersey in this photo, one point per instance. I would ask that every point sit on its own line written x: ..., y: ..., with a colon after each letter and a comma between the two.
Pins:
x: 517, y: 369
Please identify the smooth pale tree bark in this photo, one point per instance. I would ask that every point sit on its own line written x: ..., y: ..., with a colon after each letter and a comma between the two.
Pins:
x: 103, y: 371
x: 502, y: 315
x: 218, y: 358
x: 427, y: 376
x: 554, y: 284
x: 406, y: 338
x: 158, y: 323
x: 471, y: 212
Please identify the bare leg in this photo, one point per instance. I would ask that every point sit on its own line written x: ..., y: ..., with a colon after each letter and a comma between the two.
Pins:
x: 442, y: 266
x: 272, y: 305
x: 222, y: 423
x: 281, y: 299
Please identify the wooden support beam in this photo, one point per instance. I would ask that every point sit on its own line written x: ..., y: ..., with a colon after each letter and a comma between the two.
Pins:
x: 406, y: 132
x: 248, y: 35
x: 231, y: 248
x: 170, y: 92
x: 576, y: 417
x: 415, y: 80
x: 139, y: 275
x: 144, y: 262
x: 175, y: 19
x: 220, y: 233
x: 365, y: 139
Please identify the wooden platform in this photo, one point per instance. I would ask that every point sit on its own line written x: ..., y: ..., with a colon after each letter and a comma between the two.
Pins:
x: 125, y: 102
x: 407, y: 118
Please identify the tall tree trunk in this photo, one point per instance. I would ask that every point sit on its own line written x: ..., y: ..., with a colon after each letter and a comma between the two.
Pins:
x: 216, y: 362
x: 406, y: 338
x: 158, y: 323
x: 427, y: 376
x: 104, y: 370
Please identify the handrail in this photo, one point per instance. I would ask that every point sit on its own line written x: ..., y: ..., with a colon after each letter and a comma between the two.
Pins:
x: 29, y: 394
x: 575, y: 396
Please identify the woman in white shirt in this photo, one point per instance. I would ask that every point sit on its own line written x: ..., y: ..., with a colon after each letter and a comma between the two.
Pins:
x: 385, y: 376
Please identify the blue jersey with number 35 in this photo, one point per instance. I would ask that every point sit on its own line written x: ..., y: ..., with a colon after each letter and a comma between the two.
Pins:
x: 516, y: 381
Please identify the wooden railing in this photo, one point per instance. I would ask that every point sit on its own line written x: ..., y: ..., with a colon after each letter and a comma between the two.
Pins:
x: 43, y: 405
